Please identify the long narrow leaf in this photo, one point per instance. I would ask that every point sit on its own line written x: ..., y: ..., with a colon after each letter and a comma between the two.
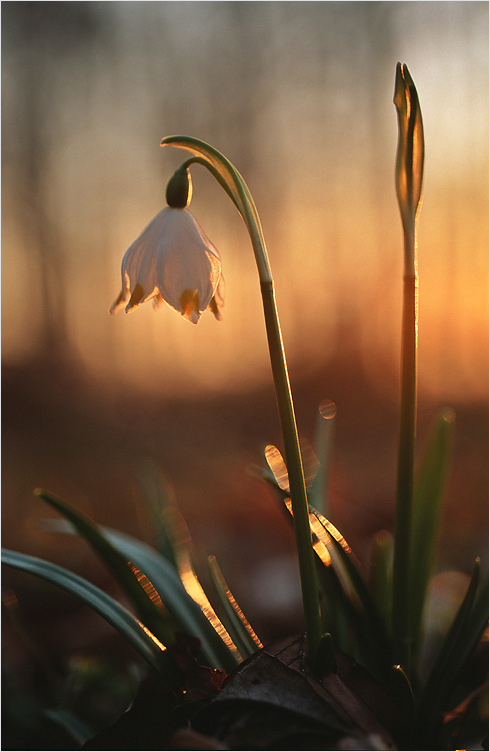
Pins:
x: 453, y: 635
x: 338, y: 613
x: 371, y: 628
x: 179, y: 547
x: 218, y: 647
x: 159, y: 497
x: 147, y: 645
x: 426, y: 516
x: 66, y: 720
x: 139, y: 590
x: 473, y: 628
x: 318, y: 493
x: 461, y: 639
x: 277, y: 466
x: 323, y: 545
x: 242, y: 632
x: 382, y: 573
x: 184, y: 610
x: 332, y: 549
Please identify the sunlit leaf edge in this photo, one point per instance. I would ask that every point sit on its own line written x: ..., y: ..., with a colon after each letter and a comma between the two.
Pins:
x: 360, y: 609
x: 240, y: 628
x: 176, y: 537
x: 372, y: 628
x: 165, y: 579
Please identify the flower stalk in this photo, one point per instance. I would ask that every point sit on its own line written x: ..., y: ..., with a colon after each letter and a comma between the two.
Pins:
x: 408, y: 178
x: 309, y: 586
x: 237, y: 190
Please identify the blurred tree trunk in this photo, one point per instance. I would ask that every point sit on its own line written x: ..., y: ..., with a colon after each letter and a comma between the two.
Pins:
x: 36, y: 39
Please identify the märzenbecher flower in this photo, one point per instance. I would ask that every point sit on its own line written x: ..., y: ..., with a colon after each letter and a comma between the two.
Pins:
x: 173, y: 261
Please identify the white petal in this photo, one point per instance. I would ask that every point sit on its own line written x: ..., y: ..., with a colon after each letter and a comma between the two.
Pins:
x: 189, y: 305
x: 172, y: 260
x: 139, y: 262
x: 187, y: 260
x: 219, y: 293
x: 119, y: 302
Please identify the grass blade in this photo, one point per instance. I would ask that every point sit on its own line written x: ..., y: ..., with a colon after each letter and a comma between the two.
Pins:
x: 159, y: 497
x: 192, y: 617
x: 338, y: 614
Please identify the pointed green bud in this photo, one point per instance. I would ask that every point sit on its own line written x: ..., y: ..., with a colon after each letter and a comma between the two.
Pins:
x: 179, y: 189
x: 410, y: 153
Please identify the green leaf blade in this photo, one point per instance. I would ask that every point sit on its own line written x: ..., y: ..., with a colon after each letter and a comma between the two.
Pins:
x: 369, y: 625
x: 331, y: 548
x: 185, y: 612
x: 177, y: 549
x: 147, y: 645
x: 132, y: 581
x: 461, y: 639
x: 319, y: 491
x: 426, y: 516
x: 382, y: 574
x: 242, y: 632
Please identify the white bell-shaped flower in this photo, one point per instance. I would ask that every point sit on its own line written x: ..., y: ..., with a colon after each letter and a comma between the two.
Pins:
x: 173, y: 261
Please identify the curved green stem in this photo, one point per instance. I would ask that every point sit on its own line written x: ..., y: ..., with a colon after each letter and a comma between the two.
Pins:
x: 236, y: 188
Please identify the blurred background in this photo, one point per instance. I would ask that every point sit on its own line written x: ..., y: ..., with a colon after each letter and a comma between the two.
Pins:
x: 298, y: 96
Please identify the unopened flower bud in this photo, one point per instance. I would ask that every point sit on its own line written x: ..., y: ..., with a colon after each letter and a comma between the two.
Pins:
x: 410, y: 153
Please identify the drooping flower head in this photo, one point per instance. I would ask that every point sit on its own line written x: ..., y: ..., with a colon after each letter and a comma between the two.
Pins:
x: 173, y: 261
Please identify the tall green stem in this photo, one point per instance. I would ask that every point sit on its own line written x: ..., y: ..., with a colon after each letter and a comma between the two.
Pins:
x: 405, y: 483
x: 309, y: 586
x: 408, y: 180
x: 236, y: 188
